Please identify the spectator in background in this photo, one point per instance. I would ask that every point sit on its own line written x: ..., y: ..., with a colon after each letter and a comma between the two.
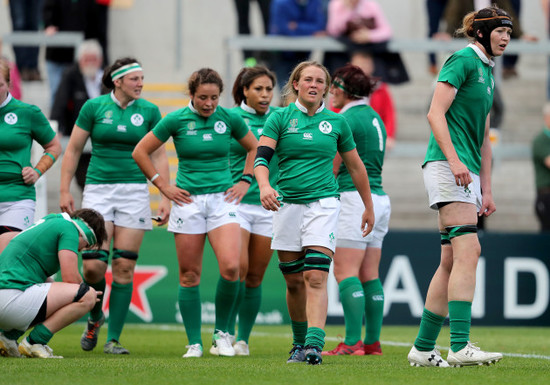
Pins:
x: 243, y: 24
x: 435, y: 9
x: 15, y: 83
x: 70, y: 15
x: 541, y: 162
x: 80, y: 82
x: 294, y: 18
x: 25, y: 16
x: 381, y: 99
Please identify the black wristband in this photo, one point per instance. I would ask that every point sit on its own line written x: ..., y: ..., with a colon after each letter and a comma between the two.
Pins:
x: 247, y: 178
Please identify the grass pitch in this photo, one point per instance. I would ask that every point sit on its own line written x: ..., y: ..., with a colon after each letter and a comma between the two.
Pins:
x: 156, y: 359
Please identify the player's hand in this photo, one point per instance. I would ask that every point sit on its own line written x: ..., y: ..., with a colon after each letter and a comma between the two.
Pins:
x: 237, y: 192
x: 30, y: 175
x: 163, y: 213
x: 176, y: 194
x: 461, y: 173
x: 66, y: 202
x: 367, y: 222
x: 269, y: 198
x: 487, y: 205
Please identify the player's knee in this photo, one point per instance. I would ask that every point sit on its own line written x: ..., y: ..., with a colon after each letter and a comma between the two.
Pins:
x: 316, y: 279
x: 189, y: 278
x: 294, y: 283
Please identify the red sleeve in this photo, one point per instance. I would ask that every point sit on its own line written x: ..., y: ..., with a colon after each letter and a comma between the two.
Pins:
x: 382, y: 102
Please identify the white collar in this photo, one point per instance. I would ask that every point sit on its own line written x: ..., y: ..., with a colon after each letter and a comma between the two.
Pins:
x: 360, y: 102
x: 251, y: 110
x: 481, y: 55
x: 192, y: 108
x: 304, y: 110
x: 5, y: 102
x: 113, y: 97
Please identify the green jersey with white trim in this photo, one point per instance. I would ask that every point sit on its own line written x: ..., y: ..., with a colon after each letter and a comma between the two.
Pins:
x: 202, y: 145
x: 114, y: 133
x: 369, y: 134
x: 306, y: 146
x: 470, y: 72
x: 32, y: 256
x: 256, y: 124
x: 20, y: 123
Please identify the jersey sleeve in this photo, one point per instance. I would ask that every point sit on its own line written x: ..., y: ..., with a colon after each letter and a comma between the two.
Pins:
x: 454, y: 71
x: 163, y: 129
x: 68, y: 238
x: 155, y: 117
x: 239, y: 129
x: 345, y: 141
x: 42, y: 132
x: 85, y: 118
x: 271, y: 128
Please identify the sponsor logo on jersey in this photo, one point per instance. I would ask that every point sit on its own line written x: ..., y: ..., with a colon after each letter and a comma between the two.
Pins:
x: 121, y: 128
x: 293, y: 125
x: 325, y: 127
x: 108, y: 116
x: 220, y: 127
x: 308, y: 136
x: 137, y: 120
x: 10, y: 118
x: 481, y: 78
x: 191, y: 128
x: 488, y: 90
x: 207, y: 137
x: 247, y: 121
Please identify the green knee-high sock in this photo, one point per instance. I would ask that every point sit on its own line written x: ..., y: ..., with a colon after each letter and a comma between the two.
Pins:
x: 374, y: 310
x: 189, y: 300
x: 226, y: 294
x: 249, y: 311
x: 119, y: 303
x: 430, y: 326
x: 299, y: 331
x: 13, y: 334
x: 96, y: 313
x: 40, y: 335
x: 353, y: 302
x: 315, y: 337
x: 460, y: 319
x: 235, y: 309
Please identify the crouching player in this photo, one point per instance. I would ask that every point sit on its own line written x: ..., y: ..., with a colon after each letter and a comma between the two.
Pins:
x: 28, y: 298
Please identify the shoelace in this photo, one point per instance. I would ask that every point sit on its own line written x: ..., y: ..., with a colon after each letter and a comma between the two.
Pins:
x: 223, y: 341
x: 472, y: 345
x: 91, y: 331
x: 194, y: 347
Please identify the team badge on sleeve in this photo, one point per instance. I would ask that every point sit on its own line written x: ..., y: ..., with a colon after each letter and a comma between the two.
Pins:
x: 325, y: 127
x: 137, y: 120
x: 10, y: 118
x: 220, y: 127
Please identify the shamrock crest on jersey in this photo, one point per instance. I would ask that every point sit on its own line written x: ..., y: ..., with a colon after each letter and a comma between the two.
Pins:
x: 10, y: 118
x: 137, y: 120
x: 325, y: 127
x: 220, y: 127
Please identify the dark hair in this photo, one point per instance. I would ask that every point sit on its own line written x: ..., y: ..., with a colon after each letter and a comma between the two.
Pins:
x: 246, y: 77
x: 204, y: 76
x: 354, y: 82
x: 106, y: 80
x: 96, y: 223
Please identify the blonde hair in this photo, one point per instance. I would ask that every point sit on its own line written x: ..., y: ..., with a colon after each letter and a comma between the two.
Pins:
x: 289, y: 92
x: 5, y: 70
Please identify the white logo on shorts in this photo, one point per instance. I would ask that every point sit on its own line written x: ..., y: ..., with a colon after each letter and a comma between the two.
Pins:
x: 325, y: 127
x: 137, y: 120
x: 10, y: 118
x: 220, y: 127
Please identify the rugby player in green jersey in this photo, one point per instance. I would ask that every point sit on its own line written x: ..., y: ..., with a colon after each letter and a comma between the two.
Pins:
x: 28, y: 296
x: 252, y: 93
x: 306, y: 136
x: 115, y: 187
x: 206, y: 200
x: 357, y: 259
x: 20, y: 124
x: 457, y: 177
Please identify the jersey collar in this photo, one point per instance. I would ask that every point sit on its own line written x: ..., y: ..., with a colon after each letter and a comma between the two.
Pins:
x: 113, y: 97
x: 360, y: 102
x: 5, y: 102
x: 251, y: 110
x: 192, y: 108
x: 481, y: 55
x: 304, y: 110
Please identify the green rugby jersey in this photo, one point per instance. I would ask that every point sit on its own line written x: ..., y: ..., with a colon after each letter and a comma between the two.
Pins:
x: 202, y: 145
x: 369, y: 135
x: 470, y: 72
x: 306, y: 146
x: 256, y: 124
x: 114, y: 133
x: 32, y: 256
x: 20, y: 123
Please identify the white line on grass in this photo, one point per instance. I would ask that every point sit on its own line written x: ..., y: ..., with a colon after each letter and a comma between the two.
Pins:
x: 166, y: 327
